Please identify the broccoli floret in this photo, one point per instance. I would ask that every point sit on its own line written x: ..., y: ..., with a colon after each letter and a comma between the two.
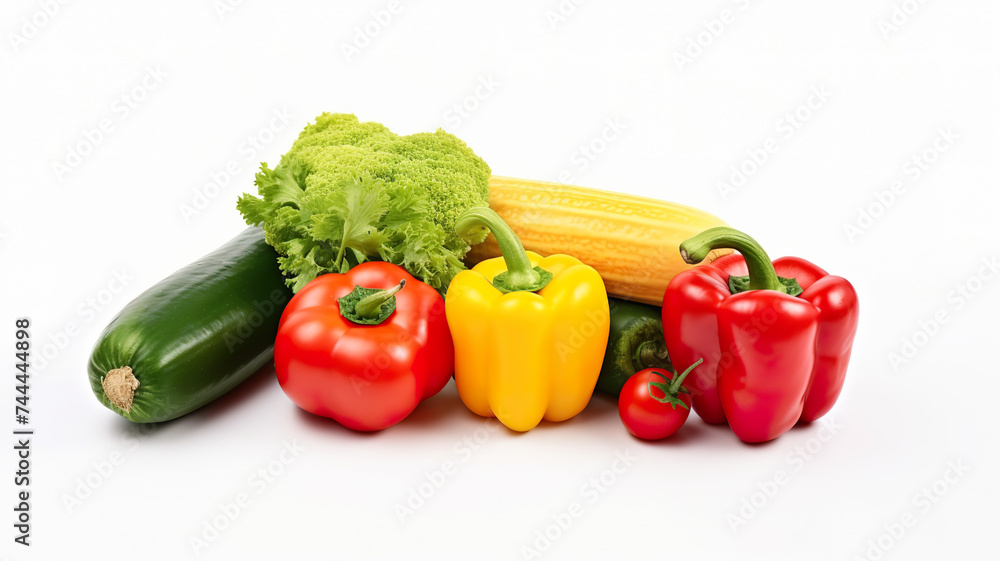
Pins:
x: 349, y: 192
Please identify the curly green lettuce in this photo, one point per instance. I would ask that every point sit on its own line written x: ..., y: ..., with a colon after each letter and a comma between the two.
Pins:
x: 349, y: 192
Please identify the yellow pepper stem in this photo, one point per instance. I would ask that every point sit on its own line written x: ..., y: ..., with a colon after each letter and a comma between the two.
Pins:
x: 520, y: 275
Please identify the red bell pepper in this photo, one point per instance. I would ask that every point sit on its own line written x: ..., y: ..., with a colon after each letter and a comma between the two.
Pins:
x: 364, y: 348
x: 776, y: 337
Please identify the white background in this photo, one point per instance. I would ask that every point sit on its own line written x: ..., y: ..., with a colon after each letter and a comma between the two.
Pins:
x: 892, y: 82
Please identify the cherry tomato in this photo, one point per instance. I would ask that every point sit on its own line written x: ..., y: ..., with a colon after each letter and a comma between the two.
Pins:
x: 653, y: 404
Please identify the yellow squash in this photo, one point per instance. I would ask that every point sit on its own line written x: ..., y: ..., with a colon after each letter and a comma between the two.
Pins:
x: 631, y: 241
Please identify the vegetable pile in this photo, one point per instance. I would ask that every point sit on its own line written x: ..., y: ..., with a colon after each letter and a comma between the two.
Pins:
x: 352, y: 279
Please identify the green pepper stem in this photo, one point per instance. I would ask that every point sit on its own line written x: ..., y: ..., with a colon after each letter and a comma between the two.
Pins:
x: 762, y: 275
x: 520, y: 274
x: 371, y: 306
x: 675, y: 386
x: 649, y: 355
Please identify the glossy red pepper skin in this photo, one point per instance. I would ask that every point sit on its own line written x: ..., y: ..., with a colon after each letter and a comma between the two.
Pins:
x: 763, y: 387
x: 837, y: 303
x: 366, y: 377
x: 768, y: 362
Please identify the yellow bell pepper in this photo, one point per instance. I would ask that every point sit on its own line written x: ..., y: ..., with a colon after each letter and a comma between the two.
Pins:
x: 530, y: 332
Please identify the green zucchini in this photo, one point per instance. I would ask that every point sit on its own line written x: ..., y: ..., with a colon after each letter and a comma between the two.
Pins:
x: 193, y: 336
x: 635, y: 342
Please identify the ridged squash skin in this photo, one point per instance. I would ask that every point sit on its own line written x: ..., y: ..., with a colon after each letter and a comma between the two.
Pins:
x: 198, y: 333
x: 631, y: 241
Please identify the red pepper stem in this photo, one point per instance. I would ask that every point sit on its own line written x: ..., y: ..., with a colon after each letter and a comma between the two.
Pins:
x: 520, y: 275
x: 675, y: 386
x: 762, y: 275
x: 371, y: 306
